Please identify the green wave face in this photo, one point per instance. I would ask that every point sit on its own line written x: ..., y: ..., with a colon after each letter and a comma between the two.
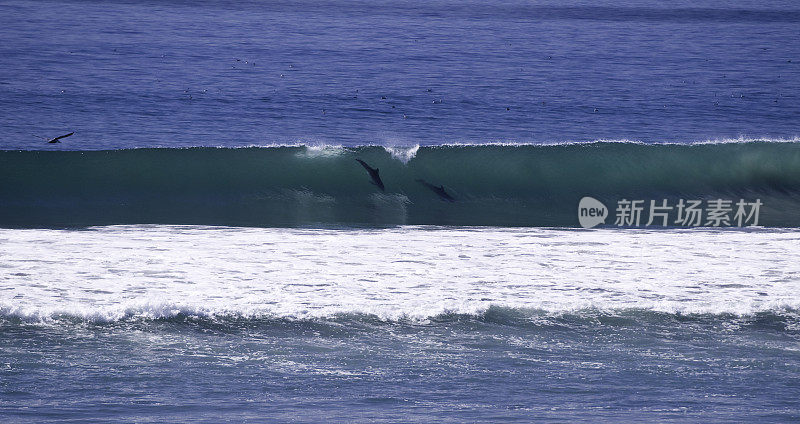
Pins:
x: 296, y: 186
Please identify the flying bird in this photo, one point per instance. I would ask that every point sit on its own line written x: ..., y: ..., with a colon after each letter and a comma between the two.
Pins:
x: 58, y: 139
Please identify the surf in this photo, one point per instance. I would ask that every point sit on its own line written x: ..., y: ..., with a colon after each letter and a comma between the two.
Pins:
x: 286, y: 186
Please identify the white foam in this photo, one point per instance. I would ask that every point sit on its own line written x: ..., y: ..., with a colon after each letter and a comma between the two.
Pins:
x: 403, y: 154
x: 406, y: 153
x: 110, y: 273
x: 544, y: 143
x: 321, y: 150
x: 742, y: 140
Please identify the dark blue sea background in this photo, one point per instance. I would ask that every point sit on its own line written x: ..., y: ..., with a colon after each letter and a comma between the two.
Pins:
x: 399, y: 74
x: 125, y: 74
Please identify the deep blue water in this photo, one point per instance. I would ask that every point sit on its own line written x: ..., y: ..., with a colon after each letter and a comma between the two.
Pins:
x: 176, y: 73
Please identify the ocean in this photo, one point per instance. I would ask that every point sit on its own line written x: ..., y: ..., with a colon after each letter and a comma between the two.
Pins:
x: 445, y: 211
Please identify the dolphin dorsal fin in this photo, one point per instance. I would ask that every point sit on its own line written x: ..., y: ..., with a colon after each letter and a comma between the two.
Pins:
x: 377, y: 170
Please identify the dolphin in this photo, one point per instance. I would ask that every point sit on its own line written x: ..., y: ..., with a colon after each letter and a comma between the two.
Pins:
x: 438, y: 190
x: 58, y: 139
x: 374, y: 173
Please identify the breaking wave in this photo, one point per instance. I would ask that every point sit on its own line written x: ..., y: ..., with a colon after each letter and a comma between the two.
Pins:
x: 501, y: 185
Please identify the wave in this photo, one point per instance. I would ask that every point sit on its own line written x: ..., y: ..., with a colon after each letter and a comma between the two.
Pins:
x: 496, y: 314
x: 496, y: 185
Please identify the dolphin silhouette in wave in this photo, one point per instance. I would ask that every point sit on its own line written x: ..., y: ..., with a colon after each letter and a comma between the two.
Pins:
x: 373, y: 173
x: 438, y: 190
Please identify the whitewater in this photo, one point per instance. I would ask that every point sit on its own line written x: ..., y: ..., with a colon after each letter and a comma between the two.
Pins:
x: 106, y: 274
x: 159, y: 323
